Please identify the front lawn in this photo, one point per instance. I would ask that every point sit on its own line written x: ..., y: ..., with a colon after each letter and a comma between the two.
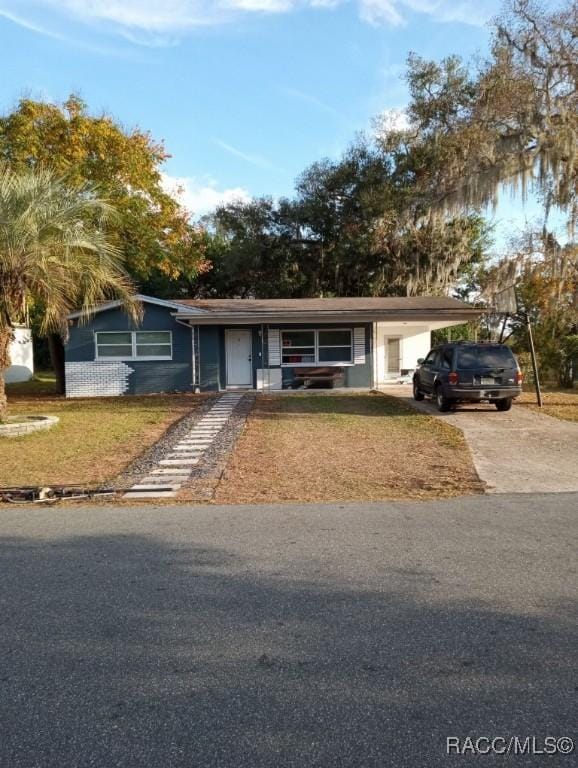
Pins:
x: 94, y: 441
x: 562, y: 404
x: 42, y: 383
x: 345, y: 447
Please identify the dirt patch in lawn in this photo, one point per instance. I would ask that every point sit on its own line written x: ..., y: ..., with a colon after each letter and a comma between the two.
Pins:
x: 95, y: 439
x: 345, y: 447
x: 562, y: 404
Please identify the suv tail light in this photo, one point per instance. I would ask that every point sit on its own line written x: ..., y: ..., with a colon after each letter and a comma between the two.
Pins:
x: 519, y: 377
x: 453, y: 378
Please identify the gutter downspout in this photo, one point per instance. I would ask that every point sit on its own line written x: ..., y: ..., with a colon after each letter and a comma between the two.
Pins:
x: 194, y: 354
x: 197, y: 344
x: 373, y: 356
x: 192, y: 327
x: 263, y: 360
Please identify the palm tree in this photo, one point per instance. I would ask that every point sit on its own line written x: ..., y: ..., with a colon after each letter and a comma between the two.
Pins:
x: 54, y: 255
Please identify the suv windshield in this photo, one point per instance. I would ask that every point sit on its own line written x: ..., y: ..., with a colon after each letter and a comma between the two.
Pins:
x: 485, y: 357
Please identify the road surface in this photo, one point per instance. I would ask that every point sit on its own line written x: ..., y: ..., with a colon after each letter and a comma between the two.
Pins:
x: 333, y: 636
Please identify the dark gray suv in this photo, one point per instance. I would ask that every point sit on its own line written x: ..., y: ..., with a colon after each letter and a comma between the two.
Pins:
x: 468, y: 372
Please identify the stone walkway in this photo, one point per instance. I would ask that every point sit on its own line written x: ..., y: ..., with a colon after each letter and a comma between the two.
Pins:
x: 177, y: 464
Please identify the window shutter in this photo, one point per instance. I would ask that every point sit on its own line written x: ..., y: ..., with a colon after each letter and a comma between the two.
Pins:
x: 359, y: 346
x: 274, y: 346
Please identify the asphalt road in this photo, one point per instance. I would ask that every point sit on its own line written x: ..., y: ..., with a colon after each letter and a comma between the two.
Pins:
x: 328, y: 635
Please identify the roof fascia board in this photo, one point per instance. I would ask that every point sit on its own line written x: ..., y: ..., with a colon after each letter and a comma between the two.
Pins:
x: 210, y: 318
x: 145, y: 300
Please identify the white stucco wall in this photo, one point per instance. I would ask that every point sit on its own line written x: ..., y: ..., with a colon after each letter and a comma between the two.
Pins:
x: 21, y: 357
x: 415, y: 342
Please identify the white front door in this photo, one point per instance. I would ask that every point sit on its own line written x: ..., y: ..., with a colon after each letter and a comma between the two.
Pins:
x: 392, y: 357
x: 238, y: 353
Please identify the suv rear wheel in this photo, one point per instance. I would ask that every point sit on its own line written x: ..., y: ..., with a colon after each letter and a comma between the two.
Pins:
x: 417, y: 393
x: 442, y: 401
x: 504, y: 404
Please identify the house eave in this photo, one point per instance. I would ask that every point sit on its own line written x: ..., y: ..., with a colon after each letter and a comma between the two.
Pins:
x: 140, y: 297
x: 351, y: 316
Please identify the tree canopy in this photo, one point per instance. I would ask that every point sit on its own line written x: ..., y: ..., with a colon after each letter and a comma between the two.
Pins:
x: 512, y: 119
x: 152, y: 230
x: 346, y: 232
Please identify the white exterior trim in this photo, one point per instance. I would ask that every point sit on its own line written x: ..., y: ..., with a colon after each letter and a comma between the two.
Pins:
x: 274, y: 347
x: 359, y: 345
x: 142, y: 298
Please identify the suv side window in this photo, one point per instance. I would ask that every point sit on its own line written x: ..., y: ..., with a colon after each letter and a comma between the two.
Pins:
x: 430, y: 358
x: 447, y: 356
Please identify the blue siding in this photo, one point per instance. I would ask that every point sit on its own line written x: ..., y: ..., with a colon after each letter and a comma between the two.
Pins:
x: 149, y: 376
x: 213, y: 373
x: 211, y: 361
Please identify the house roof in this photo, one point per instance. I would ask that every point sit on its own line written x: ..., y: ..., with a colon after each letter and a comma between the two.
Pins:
x: 118, y: 303
x: 355, y: 304
x: 368, y: 309
x: 304, y: 310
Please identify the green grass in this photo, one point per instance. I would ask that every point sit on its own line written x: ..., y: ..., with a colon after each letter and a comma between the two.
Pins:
x: 42, y: 383
x: 95, y: 439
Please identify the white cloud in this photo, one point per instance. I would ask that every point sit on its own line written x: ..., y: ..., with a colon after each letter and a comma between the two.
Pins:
x: 256, y: 160
x: 394, y: 12
x: 265, y: 6
x: 201, y: 196
x: 159, y: 22
x: 30, y: 25
x: 309, y: 98
x: 395, y: 119
x: 465, y: 12
x: 47, y: 31
x: 381, y: 12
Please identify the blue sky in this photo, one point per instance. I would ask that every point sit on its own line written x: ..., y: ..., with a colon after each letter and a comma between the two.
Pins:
x: 244, y: 93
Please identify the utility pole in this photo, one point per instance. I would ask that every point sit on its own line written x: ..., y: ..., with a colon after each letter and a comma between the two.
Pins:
x: 500, y: 340
x: 534, y: 362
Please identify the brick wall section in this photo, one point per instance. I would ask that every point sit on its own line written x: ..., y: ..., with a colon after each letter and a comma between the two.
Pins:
x: 97, y: 378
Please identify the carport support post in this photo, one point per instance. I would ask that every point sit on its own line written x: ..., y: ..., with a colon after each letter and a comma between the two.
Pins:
x: 534, y: 363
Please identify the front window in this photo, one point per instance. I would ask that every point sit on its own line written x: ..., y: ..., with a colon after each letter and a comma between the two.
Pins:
x: 317, y: 347
x: 334, y: 346
x: 153, y: 344
x: 113, y: 344
x: 134, y: 345
x: 298, y: 347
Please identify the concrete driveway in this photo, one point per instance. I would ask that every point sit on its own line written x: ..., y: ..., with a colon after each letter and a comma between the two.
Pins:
x: 519, y: 451
x: 321, y: 636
